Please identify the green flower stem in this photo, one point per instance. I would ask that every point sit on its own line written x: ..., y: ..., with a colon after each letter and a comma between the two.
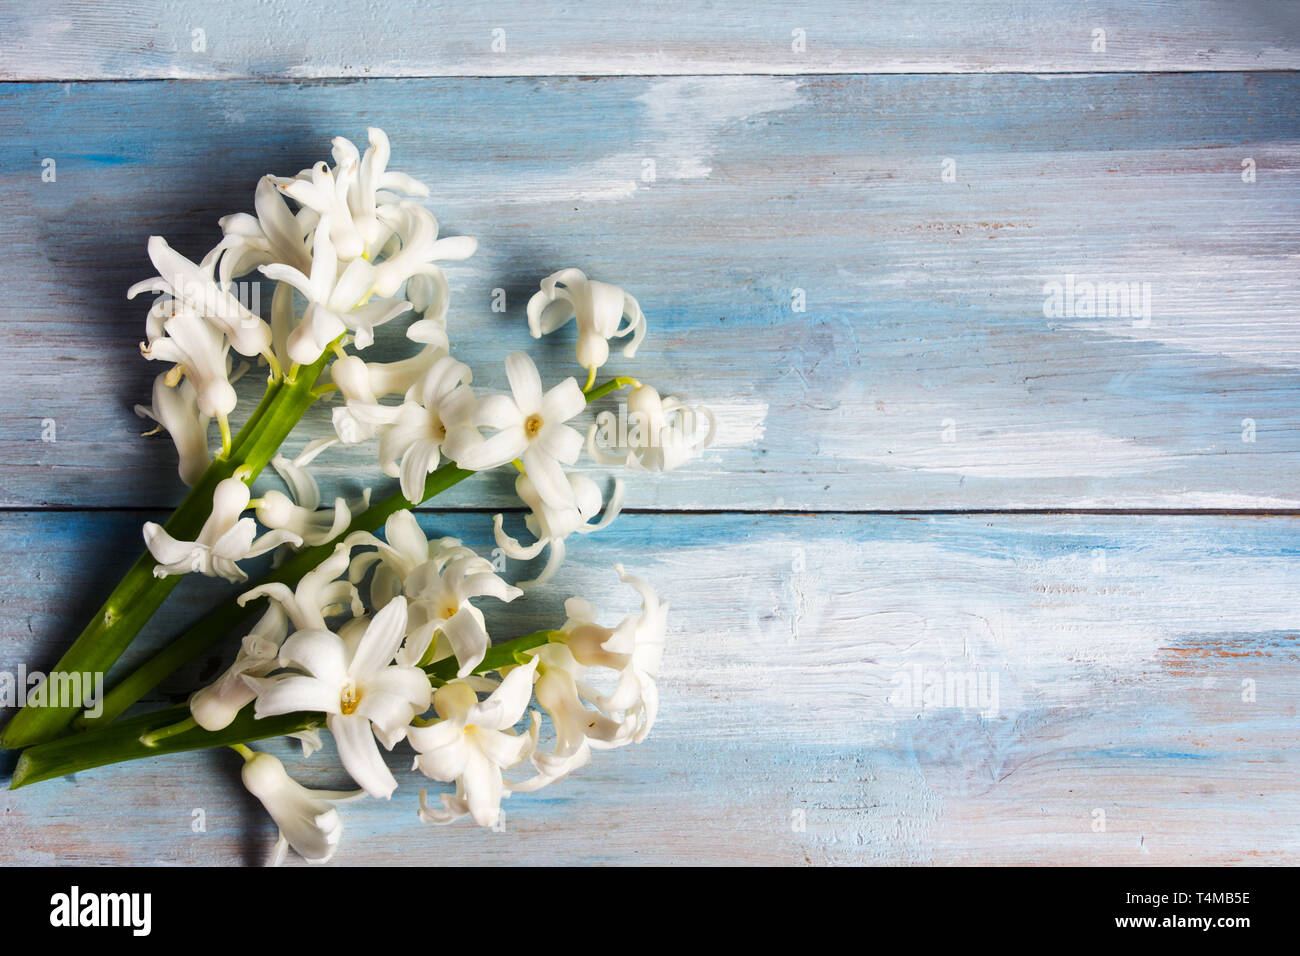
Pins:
x: 221, y: 621
x: 139, y: 594
x: 613, y: 385
x: 126, y: 740
x: 165, y: 732
x: 151, y: 739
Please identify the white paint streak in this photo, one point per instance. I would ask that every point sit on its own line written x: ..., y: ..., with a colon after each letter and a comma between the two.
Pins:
x: 1013, y: 453
x: 741, y: 424
x: 828, y: 624
x: 684, y: 118
x: 1181, y: 499
x: 1231, y: 306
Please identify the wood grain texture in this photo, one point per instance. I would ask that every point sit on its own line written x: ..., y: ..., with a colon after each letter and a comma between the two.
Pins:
x: 1119, y: 649
x: 924, y: 373
x: 1134, y: 677
x: 113, y: 39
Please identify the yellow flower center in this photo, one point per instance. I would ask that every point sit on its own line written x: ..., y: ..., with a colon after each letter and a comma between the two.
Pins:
x: 532, y: 425
x: 349, y: 700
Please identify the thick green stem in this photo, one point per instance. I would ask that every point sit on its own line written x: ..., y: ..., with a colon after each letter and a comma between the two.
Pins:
x: 160, y: 732
x: 139, y: 594
x: 126, y: 740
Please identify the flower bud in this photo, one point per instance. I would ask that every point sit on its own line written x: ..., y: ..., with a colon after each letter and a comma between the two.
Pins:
x: 275, y: 510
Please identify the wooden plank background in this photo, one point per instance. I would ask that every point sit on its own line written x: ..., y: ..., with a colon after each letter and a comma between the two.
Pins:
x: 273, y: 39
x: 863, y: 518
x: 1120, y: 651
x: 924, y: 312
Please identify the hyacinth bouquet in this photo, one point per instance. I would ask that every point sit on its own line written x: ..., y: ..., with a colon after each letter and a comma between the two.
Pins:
x: 364, y: 627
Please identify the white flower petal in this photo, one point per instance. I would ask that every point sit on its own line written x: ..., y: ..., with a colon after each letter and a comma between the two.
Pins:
x: 548, y: 478
x: 563, y: 401
x: 507, y: 703
x: 560, y: 442
x: 292, y: 693
x: 360, y: 756
x: 469, y: 641
x: 319, y: 653
x: 418, y: 462
x: 382, y: 638
x: 525, y: 383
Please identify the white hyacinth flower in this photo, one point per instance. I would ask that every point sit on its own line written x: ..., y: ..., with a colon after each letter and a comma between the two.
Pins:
x: 193, y: 287
x: 337, y: 294
x: 550, y: 526
x: 301, y: 513
x: 440, y: 593
x: 176, y: 410
x: 353, y: 193
x: 224, y: 539
x: 575, y: 724
x: 362, y: 384
x: 362, y: 692
x: 308, y: 820
x: 634, y: 649
x: 215, y: 706
x: 373, y: 185
x: 412, y: 435
x: 319, y: 594
x: 429, y: 295
x: 659, y: 434
x: 471, y: 744
x: 324, y: 190
x: 405, y: 549
x: 294, y: 472
x: 367, y: 243
x: 530, y: 426
x: 418, y: 254
x: 439, y: 582
x: 598, y: 307
x: 199, y: 352
x: 368, y: 382
x: 313, y: 526
x: 275, y: 234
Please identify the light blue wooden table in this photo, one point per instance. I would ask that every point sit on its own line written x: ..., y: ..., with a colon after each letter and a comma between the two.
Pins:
x: 847, y: 224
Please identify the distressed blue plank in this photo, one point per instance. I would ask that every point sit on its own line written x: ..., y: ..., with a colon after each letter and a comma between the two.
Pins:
x: 1146, y: 668
x: 925, y: 371
x: 114, y: 39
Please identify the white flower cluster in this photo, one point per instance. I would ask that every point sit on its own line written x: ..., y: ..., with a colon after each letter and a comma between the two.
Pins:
x: 360, y: 254
x: 382, y: 637
x: 349, y: 247
x: 366, y: 666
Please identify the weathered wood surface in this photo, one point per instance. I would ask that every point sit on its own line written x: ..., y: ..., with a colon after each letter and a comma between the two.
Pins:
x: 924, y: 373
x: 1124, y: 653
x: 115, y: 39
x: 1146, y: 666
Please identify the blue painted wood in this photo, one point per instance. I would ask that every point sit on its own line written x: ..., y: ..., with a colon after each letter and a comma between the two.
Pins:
x: 117, y: 39
x: 1144, y: 667
x: 929, y: 368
